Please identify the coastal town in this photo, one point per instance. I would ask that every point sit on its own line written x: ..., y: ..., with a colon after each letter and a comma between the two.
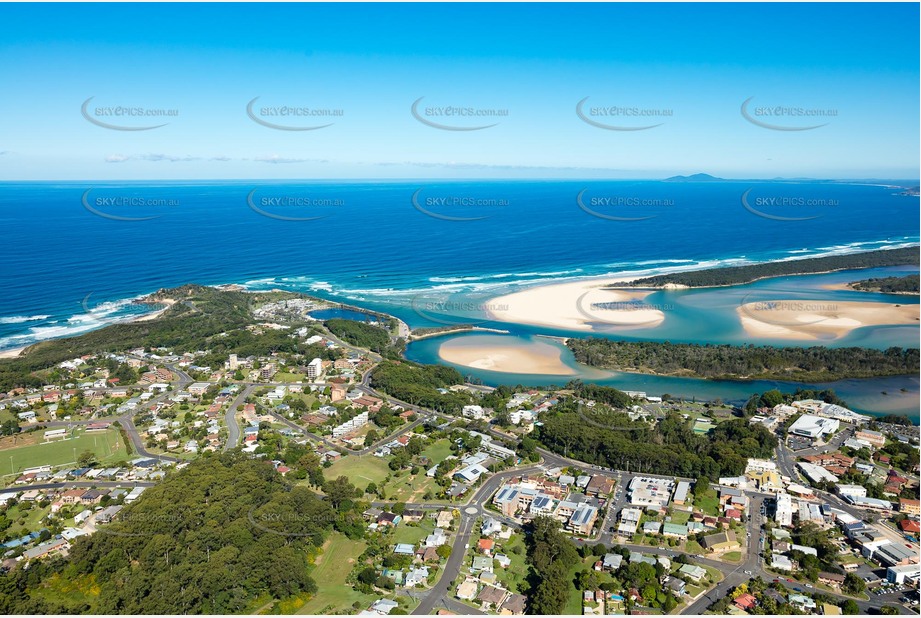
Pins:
x: 457, y: 492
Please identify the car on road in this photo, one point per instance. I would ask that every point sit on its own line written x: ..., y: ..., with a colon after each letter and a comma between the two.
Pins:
x: 776, y: 580
x: 810, y: 586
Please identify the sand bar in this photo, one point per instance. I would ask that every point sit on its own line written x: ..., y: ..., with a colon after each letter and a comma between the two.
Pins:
x: 491, y: 353
x: 588, y: 305
x: 820, y: 319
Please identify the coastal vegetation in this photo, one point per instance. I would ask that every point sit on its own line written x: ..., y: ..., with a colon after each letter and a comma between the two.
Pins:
x: 201, y: 318
x: 606, y: 436
x: 213, y: 538
x: 727, y: 362
x: 419, y: 384
x: 888, y: 285
x: 359, y: 334
x: 745, y: 274
x: 550, y: 556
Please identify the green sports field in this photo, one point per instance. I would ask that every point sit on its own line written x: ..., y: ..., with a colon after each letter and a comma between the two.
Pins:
x: 29, y: 450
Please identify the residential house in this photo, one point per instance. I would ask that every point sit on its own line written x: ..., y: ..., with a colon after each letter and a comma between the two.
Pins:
x: 745, y: 601
x: 491, y: 596
x: 481, y: 563
x: 721, y: 542
x: 514, y: 605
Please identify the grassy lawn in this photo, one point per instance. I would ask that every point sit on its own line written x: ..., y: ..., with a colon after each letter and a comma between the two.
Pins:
x: 513, y: 577
x: 693, y: 547
x: 25, y: 520
x: 732, y: 556
x: 29, y: 450
x: 438, y: 451
x: 409, y: 488
x: 283, y: 376
x: 680, y: 517
x: 573, y: 605
x: 359, y: 470
x: 703, y: 428
x: 414, y: 533
x: 714, y: 574
x: 330, y: 571
x: 709, y: 503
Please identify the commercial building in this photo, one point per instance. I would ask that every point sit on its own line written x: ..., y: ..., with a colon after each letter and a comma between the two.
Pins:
x: 875, y: 438
x: 648, y: 491
x: 814, y: 427
x: 681, y: 492
x: 908, y: 573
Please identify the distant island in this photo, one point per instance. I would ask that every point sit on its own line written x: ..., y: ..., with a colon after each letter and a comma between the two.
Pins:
x: 735, y: 275
x: 695, y: 178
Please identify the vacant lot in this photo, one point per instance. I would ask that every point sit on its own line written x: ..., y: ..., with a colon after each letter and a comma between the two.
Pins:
x: 359, y: 470
x: 330, y: 571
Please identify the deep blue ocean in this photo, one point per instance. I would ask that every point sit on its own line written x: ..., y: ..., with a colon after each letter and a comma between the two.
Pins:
x: 73, y: 255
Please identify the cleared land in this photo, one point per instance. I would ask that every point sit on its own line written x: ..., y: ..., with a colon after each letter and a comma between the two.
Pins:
x: 331, y: 569
x: 360, y: 470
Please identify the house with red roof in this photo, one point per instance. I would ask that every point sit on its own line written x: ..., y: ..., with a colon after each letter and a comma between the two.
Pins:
x: 910, y: 526
x: 745, y: 601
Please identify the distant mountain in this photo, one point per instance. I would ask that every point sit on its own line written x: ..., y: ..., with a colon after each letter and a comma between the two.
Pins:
x: 694, y: 178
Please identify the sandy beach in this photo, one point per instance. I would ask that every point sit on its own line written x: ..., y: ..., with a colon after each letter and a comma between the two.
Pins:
x: 169, y: 302
x: 490, y: 353
x: 12, y: 353
x: 815, y: 320
x: 588, y: 305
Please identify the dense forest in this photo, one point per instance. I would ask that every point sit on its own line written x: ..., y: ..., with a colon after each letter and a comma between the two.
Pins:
x: 359, y: 334
x: 745, y: 274
x: 888, y: 285
x: 213, y: 538
x: 815, y: 364
x: 419, y: 384
x: 550, y: 557
x: 609, y: 438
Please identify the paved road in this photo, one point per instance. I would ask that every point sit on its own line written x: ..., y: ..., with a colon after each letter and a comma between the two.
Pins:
x: 441, y: 591
x: 87, y: 484
x: 127, y: 423
x: 230, y: 418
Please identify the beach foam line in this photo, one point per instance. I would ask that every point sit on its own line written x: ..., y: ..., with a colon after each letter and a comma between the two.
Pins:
x: 19, y: 319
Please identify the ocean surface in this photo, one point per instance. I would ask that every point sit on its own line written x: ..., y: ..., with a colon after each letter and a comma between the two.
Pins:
x: 75, y: 255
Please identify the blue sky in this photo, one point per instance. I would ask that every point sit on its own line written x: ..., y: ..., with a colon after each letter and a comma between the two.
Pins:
x: 857, y: 62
